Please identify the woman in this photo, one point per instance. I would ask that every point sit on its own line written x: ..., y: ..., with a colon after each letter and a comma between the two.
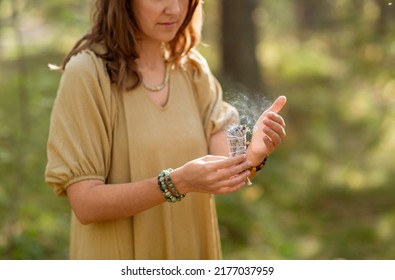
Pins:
x: 136, y: 100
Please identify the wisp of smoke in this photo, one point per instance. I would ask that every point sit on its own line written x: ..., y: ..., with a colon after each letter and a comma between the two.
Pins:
x: 249, y: 105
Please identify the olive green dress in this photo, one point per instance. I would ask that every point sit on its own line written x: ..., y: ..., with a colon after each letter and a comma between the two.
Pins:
x: 97, y: 132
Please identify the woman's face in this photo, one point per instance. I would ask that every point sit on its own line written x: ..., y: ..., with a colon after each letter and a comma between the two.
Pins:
x: 159, y: 20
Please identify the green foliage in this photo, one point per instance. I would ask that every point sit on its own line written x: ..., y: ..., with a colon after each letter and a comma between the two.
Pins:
x: 33, y: 221
x: 326, y: 193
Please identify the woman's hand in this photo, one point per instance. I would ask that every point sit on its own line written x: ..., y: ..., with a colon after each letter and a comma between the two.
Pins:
x: 212, y: 174
x: 268, y: 132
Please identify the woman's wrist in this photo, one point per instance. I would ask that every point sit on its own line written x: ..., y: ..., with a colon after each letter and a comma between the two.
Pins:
x: 179, y: 183
x: 255, y: 158
x: 167, y: 187
x: 258, y: 162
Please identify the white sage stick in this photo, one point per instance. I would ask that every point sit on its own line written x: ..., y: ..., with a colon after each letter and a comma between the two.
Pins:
x: 237, y: 141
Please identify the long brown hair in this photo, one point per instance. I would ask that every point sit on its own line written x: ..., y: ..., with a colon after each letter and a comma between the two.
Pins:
x: 114, y: 27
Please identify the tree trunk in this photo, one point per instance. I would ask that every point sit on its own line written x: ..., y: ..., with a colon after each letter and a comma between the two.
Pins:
x: 239, y: 40
x: 383, y: 22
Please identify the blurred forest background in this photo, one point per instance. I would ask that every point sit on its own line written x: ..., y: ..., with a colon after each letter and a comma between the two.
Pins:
x: 326, y: 193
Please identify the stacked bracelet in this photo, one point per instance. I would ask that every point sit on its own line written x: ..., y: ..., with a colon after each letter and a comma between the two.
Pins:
x: 167, y: 187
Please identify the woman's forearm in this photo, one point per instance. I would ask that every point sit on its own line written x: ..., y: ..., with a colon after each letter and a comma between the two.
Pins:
x: 94, y: 201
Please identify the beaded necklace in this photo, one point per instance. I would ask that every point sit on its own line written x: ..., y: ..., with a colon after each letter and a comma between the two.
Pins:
x: 163, y: 84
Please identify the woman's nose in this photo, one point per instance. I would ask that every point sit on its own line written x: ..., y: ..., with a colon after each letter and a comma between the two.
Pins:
x: 173, y: 7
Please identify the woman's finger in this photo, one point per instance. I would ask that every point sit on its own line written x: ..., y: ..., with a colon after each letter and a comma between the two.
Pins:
x: 277, y: 105
x: 227, y: 162
x: 270, y: 127
x: 233, y: 170
x: 232, y: 184
x: 276, y: 118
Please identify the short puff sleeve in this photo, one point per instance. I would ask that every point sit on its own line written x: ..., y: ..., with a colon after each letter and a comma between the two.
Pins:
x: 80, y: 133
x: 215, y: 113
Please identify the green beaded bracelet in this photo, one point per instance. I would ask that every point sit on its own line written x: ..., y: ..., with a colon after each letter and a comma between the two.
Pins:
x: 171, y: 185
x: 164, y: 181
x: 163, y: 187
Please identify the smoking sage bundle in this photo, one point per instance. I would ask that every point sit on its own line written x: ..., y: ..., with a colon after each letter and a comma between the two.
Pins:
x: 237, y: 139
